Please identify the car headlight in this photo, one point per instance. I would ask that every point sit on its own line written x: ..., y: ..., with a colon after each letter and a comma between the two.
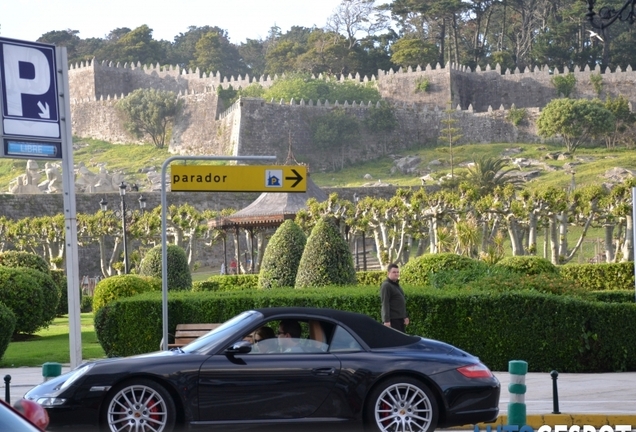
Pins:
x: 48, y: 402
x: 79, y: 372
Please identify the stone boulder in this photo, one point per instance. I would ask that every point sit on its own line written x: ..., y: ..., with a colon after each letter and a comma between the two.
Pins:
x: 408, y: 164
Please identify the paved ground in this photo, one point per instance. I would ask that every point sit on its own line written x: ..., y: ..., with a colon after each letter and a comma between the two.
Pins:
x: 584, y: 399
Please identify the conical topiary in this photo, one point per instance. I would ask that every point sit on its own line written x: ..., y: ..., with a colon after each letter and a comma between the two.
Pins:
x: 282, y: 256
x: 327, y: 259
x: 179, y: 275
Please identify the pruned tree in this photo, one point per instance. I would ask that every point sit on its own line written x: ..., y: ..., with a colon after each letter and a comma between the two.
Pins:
x: 149, y: 112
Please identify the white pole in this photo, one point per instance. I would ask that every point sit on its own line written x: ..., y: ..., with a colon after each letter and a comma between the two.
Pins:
x: 70, y: 217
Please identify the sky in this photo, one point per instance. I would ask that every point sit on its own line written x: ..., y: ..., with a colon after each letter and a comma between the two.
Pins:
x: 29, y: 19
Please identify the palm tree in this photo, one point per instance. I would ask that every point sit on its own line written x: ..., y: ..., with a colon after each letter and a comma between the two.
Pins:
x: 488, y: 174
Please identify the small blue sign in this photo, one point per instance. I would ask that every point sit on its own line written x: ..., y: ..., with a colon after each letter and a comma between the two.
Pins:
x: 274, y: 178
x: 31, y: 149
x: 28, y: 79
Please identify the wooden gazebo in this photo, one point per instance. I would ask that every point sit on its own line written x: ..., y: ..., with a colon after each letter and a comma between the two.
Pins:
x: 268, y: 211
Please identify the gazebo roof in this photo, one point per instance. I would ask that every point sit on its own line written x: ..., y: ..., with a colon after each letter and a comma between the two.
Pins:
x: 270, y: 209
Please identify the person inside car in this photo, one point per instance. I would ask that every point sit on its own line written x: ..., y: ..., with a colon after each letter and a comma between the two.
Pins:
x: 265, y: 340
x: 289, y: 336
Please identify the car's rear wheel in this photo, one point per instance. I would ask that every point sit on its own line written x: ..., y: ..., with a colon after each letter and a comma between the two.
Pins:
x: 139, y: 406
x: 401, y: 404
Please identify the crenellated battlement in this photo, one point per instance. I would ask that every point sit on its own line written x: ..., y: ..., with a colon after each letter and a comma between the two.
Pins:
x: 490, y: 86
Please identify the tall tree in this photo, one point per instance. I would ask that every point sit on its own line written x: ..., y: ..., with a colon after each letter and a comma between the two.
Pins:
x: 355, y: 17
x: 133, y: 47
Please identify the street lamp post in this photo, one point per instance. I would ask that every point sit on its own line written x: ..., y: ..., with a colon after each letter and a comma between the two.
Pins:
x: 607, y: 15
x: 124, y: 213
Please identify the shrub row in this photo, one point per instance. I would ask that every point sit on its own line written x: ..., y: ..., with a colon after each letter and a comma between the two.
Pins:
x: 549, y: 331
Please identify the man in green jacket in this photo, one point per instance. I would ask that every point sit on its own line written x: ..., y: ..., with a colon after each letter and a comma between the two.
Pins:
x: 393, y: 301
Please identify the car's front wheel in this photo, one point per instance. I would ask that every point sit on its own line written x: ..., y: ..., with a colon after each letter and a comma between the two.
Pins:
x: 141, y: 405
x: 401, y: 404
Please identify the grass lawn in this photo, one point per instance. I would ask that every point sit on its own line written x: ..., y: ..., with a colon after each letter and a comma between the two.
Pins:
x: 52, y: 345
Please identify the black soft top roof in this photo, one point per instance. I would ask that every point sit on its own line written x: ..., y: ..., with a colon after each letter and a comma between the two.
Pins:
x: 373, y: 333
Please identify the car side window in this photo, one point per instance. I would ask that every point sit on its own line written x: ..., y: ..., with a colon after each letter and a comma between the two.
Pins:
x: 342, y: 341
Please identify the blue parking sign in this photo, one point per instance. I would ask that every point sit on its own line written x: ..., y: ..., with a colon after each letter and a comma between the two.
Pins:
x: 28, y: 80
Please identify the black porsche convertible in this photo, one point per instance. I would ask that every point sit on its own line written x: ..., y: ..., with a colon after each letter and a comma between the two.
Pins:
x: 319, y: 367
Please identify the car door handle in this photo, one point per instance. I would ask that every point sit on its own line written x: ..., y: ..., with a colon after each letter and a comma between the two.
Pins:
x: 323, y: 371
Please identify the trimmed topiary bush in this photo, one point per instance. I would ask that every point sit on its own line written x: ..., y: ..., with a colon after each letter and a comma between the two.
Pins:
x: 326, y: 259
x: 529, y: 265
x: 418, y: 270
x: 7, y: 326
x: 35, y: 263
x: 16, y: 259
x: 120, y: 286
x: 86, y: 304
x: 62, y: 285
x: 179, y: 276
x: 50, y: 293
x: 21, y: 293
x: 282, y: 256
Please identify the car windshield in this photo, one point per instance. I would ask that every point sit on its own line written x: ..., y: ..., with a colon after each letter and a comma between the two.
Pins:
x: 216, y: 337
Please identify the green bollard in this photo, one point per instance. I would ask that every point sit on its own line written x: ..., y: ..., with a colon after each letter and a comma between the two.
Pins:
x: 517, y: 388
x: 51, y: 370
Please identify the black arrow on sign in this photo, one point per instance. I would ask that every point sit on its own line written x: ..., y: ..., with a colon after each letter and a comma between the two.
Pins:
x: 298, y: 178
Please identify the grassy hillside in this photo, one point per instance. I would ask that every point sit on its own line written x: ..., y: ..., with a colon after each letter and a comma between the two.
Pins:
x: 592, y: 163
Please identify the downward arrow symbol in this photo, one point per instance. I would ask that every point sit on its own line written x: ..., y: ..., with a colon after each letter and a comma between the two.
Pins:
x: 44, y: 110
x: 298, y: 178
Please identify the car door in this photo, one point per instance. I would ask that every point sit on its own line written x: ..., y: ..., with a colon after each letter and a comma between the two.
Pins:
x: 268, y: 386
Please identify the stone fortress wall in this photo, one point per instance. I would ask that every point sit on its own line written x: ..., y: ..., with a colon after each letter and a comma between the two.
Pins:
x: 259, y: 127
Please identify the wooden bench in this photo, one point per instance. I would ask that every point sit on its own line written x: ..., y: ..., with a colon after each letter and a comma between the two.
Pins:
x: 186, y: 333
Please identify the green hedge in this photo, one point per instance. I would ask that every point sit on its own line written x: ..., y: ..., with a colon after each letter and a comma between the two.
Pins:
x: 119, y: 286
x: 594, y: 277
x: 239, y: 282
x: 613, y: 296
x: 549, y: 331
x: 371, y: 278
x: 529, y: 265
x: 419, y: 270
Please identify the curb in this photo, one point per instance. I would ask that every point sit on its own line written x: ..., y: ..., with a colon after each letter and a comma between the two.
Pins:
x: 537, y: 420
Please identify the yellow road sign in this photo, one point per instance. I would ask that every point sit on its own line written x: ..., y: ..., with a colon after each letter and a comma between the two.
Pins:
x: 241, y: 178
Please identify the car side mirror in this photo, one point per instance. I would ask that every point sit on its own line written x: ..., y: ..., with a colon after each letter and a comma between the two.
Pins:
x: 242, y: 347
